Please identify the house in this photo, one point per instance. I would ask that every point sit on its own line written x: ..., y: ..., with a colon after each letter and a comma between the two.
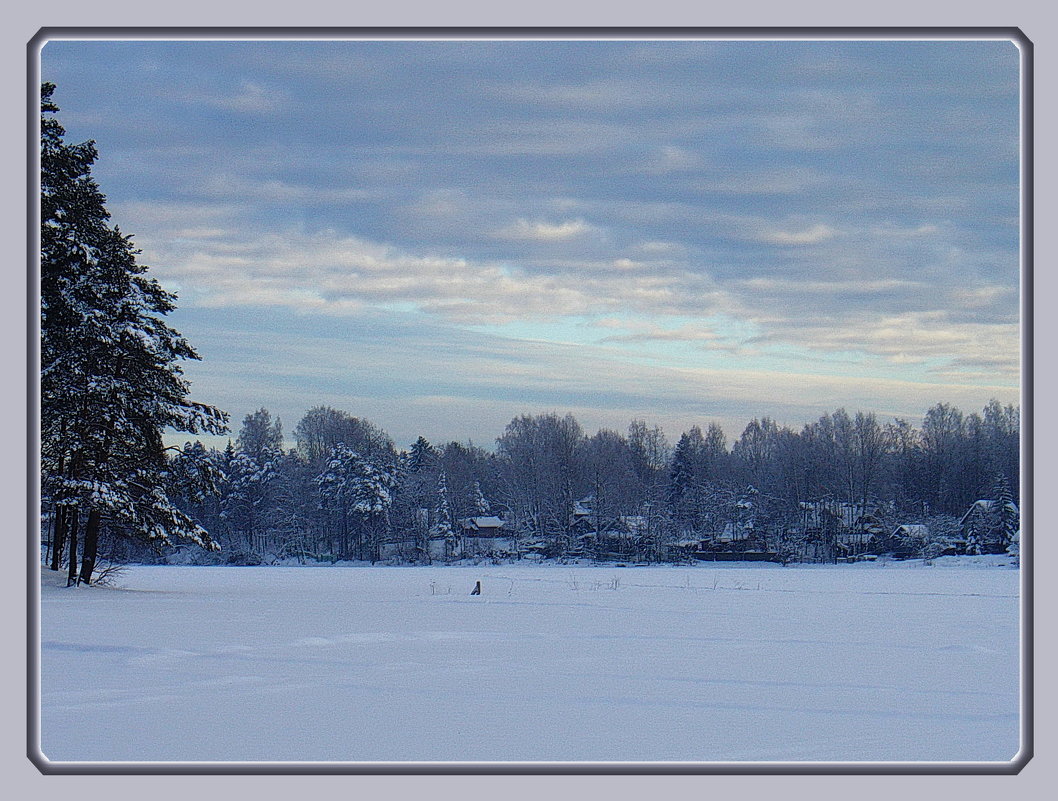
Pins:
x: 738, y: 541
x: 846, y: 528
x: 481, y: 526
x: 470, y: 537
x: 917, y: 532
x: 907, y: 541
x: 587, y: 519
x: 607, y: 537
x: 485, y: 536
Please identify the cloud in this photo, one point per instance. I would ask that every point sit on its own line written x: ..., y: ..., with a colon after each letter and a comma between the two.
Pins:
x: 898, y: 314
x: 247, y: 190
x: 455, y: 384
x: 779, y: 286
x: 595, y: 94
x: 982, y: 297
x: 786, y: 180
x: 673, y: 159
x: 853, y: 205
x: 634, y: 331
x: 809, y: 236
x: 526, y: 230
x: 931, y: 339
x: 247, y: 97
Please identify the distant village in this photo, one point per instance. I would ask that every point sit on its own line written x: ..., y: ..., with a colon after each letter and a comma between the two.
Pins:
x: 828, y: 532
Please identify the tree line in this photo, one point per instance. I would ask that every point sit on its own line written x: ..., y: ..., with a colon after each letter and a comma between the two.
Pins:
x: 346, y: 492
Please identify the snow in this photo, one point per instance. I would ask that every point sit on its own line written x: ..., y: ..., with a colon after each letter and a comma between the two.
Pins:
x: 486, y: 522
x: 720, y: 662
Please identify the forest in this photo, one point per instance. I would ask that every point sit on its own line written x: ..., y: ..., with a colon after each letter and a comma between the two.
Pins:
x: 836, y: 489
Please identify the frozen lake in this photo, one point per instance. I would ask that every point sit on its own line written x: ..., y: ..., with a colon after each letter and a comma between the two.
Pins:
x: 898, y: 662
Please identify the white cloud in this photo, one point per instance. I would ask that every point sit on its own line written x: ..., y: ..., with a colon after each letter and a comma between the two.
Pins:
x: 672, y: 159
x: 244, y: 190
x: 632, y: 331
x: 325, y: 271
x: 331, y: 273
x: 597, y: 94
x: 448, y: 390
x: 808, y: 236
x: 539, y: 231
x: 791, y: 286
x: 983, y: 296
x: 893, y: 231
x: 923, y: 338
x: 247, y: 97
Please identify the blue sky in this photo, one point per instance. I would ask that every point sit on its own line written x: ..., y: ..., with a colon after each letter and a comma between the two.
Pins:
x: 438, y: 236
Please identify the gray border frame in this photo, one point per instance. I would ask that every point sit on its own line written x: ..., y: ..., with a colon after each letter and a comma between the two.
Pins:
x: 46, y: 767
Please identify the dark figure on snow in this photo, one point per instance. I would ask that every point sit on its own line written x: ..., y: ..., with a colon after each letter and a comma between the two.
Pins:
x: 477, y: 589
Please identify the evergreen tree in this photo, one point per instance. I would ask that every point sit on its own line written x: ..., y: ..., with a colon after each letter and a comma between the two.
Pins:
x: 443, y: 516
x: 422, y: 456
x: 443, y: 511
x: 372, y: 491
x: 362, y: 494
x: 111, y: 382
x: 247, y: 507
x: 413, y: 501
x: 1007, y: 521
x: 478, y: 502
x: 975, y: 529
x: 681, y: 474
x: 335, y: 488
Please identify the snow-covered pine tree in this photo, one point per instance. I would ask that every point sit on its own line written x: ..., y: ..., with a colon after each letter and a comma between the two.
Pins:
x: 334, y: 486
x: 247, y: 504
x: 356, y: 486
x: 197, y: 480
x: 975, y: 529
x: 685, y: 479
x: 681, y: 473
x: 1014, y: 548
x: 478, y: 502
x: 110, y: 375
x: 373, y: 489
x: 1005, y: 515
x: 443, y: 510
x: 413, y: 502
x: 421, y: 456
x: 196, y: 474
x: 443, y: 515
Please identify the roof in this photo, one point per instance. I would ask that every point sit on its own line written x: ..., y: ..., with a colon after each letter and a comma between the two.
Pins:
x: 480, y: 523
x: 849, y: 515
x: 584, y: 506
x: 986, y: 505
x: 913, y: 530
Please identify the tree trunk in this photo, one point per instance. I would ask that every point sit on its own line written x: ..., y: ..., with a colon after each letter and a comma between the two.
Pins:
x: 59, y: 537
x: 90, y: 547
x: 59, y: 534
x: 71, y: 577
x: 50, y: 541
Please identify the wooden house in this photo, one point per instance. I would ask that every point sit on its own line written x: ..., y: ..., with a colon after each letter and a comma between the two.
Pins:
x: 486, y: 536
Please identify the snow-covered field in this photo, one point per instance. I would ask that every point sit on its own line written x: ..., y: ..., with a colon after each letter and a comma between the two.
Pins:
x: 897, y: 662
